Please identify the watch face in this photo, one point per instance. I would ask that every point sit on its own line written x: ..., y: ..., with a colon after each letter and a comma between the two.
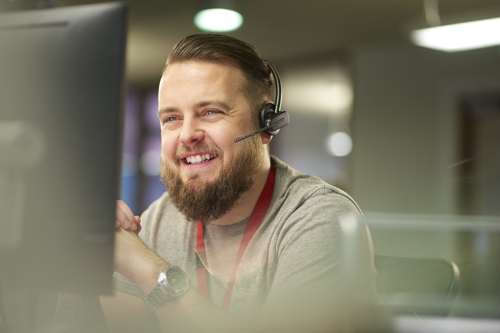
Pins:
x: 176, y: 278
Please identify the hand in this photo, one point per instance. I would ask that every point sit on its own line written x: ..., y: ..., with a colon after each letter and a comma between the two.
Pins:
x: 125, y: 218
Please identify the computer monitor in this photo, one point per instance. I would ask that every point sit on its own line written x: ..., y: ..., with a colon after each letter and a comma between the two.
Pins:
x: 61, y: 110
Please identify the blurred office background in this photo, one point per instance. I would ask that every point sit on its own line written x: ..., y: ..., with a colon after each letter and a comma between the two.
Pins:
x: 420, y: 128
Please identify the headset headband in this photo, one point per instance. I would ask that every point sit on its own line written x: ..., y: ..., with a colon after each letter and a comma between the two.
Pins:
x: 277, y: 83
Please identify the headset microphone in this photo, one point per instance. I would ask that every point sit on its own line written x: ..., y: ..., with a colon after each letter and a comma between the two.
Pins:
x: 275, y: 122
x: 271, y: 117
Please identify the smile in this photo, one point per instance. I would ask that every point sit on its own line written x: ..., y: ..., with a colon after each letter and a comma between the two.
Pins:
x: 197, y: 159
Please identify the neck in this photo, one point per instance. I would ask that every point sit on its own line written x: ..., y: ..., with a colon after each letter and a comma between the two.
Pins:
x: 245, y: 204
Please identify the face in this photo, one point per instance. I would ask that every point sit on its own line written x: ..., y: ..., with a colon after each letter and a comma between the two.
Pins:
x: 202, y: 109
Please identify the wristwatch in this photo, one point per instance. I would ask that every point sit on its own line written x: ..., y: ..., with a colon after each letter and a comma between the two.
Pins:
x: 172, y: 282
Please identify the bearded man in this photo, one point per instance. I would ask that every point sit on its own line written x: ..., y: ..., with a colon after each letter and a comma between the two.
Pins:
x: 239, y: 236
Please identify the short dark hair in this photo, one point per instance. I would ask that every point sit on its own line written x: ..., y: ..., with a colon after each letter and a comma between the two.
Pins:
x: 225, y: 49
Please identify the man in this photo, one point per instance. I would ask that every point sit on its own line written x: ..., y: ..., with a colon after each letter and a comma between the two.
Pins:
x: 255, y: 238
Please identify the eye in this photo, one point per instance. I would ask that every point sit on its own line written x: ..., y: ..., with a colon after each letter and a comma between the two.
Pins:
x: 212, y: 112
x: 169, y: 119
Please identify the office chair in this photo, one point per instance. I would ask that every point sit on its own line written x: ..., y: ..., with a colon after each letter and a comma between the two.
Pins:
x: 418, y: 286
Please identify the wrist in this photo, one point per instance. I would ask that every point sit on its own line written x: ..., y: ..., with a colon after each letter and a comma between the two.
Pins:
x: 148, y: 267
x: 172, y: 282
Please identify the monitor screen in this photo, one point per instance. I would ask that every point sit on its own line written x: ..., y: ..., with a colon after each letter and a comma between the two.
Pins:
x: 61, y: 105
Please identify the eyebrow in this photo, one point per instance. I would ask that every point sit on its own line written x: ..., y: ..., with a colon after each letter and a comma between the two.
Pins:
x: 201, y: 104
x: 165, y: 110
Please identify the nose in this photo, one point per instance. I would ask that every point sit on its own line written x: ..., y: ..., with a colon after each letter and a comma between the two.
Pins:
x: 191, y: 132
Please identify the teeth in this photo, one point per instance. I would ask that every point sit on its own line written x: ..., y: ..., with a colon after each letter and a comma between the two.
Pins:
x: 199, y: 158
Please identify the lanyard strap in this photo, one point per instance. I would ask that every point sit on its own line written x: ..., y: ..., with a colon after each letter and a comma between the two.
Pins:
x: 253, y: 224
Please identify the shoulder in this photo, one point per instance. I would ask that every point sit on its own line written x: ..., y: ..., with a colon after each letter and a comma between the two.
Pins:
x: 306, y: 210
x: 156, y: 207
x: 295, y: 189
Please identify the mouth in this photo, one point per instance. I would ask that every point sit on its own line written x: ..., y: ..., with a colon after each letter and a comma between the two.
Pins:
x: 199, y: 159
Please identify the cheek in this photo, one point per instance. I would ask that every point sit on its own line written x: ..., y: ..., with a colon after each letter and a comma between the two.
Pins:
x: 225, y: 135
x: 167, y: 148
x: 219, y: 136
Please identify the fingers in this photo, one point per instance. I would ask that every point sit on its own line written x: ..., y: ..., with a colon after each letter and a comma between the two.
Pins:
x: 124, y: 215
x: 137, y: 224
x: 125, y: 218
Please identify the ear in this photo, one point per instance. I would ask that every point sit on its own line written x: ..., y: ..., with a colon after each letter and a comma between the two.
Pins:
x: 266, y: 138
x: 267, y: 107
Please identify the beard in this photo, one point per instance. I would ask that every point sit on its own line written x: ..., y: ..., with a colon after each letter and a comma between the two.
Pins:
x: 212, y: 200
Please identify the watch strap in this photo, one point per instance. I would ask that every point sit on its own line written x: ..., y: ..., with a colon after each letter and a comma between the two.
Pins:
x: 157, y: 297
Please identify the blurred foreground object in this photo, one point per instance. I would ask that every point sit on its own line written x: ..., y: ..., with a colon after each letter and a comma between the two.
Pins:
x: 61, y: 96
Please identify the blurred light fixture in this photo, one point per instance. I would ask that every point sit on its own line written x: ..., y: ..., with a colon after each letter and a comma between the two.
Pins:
x: 455, y: 37
x: 459, y: 37
x: 326, y: 90
x: 150, y: 162
x: 339, y: 144
x: 218, y: 16
x: 340, y: 95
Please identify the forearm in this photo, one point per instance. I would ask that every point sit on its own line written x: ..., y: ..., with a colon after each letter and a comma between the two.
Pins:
x: 191, y: 311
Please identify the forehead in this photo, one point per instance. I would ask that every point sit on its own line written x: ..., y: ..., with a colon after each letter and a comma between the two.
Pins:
x: 201, y: 78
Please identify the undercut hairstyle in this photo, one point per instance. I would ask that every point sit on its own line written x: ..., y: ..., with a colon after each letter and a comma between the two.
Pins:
x: 224, y: 49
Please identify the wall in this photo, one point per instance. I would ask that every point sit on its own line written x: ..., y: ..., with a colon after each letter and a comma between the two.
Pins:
x: 405, y: 126
x: 407, y: 160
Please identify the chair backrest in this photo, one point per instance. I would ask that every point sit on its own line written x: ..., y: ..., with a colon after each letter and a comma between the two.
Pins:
x: 421, y: 286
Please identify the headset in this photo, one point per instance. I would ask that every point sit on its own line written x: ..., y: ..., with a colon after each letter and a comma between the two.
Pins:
x: 271, y: 118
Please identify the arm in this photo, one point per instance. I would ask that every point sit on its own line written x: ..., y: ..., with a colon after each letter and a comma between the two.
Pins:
x: 127, y: 313
x: 136, y: 261
x: 309, y: 238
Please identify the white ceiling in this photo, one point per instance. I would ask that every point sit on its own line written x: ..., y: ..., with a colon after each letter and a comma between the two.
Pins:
x: 283, y: 29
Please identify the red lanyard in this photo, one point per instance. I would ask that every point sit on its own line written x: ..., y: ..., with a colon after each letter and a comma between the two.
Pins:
x: 253, y: 224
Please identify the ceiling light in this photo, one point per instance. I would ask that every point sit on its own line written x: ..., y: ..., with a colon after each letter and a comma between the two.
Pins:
x: 459, y: 37
x: 218, y: 20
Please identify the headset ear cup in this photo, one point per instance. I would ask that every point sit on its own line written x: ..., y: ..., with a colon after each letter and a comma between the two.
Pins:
x: 267, y: 111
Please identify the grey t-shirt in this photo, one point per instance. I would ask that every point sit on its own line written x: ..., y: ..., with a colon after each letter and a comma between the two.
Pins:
x: 298, y: 245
